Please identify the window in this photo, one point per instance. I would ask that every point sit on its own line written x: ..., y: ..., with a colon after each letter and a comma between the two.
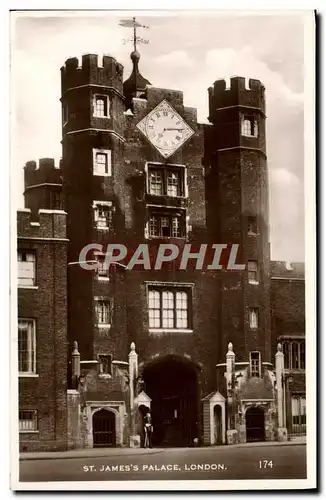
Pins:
x: 101, y: 106
x: 156, y: 182
x: 249, y: 126
x: 103, y: 214
x: 105, y: 361
x: 103, y: 309
x: 174, y: 184
x: 255, y: 364
x: 26, y: 268
x: 298, y: 407
x: 27, y: 420
x: 102, y: 162
x: 252, y: 225
x: 168, y: 309
x: 167, y: 181
x: 26, y: 346
x: 102, y: 272
x: 167, y: 224
x: 253, y: 318
x: 65, y: 114
x: 253, y: 276
x: 56, y: 202
x: 294, y: 354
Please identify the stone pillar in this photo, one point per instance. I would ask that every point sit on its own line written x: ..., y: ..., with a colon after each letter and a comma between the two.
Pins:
x: 279, y: 369
x: 232, y: 433
x: 75, y: 365
x: 133, y: 374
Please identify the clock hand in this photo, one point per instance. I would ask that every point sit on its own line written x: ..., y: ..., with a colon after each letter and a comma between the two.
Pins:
x: 171, y: 128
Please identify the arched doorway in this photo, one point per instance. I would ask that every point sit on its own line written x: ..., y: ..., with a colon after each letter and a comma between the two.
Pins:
x: 104, y: 428
x: 255, y: 424
x: 217, y: 424
x: 171, y: 383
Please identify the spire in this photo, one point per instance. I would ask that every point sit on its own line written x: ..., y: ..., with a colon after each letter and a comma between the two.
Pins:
x: 135, y: 85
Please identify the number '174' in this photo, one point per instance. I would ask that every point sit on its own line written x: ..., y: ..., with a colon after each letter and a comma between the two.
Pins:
x: 264, y: 464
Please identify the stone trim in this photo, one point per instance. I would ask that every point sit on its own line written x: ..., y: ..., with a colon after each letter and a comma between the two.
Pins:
x: 116, y: 407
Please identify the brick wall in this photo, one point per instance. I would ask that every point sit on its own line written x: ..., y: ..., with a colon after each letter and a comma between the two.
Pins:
x: 47, y: 304
x: 287, y: 299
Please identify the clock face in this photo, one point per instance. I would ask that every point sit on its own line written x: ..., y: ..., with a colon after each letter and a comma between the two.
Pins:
x: 165, y: 129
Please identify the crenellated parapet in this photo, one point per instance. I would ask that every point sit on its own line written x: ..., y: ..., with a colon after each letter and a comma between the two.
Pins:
x: 50, y: 224
x: 109, y: 74
x: 237, y: 95
x: 43, y: 172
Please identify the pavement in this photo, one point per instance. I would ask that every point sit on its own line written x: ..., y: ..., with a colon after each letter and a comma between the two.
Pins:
x: 114, y: 452
x: 138, y: 466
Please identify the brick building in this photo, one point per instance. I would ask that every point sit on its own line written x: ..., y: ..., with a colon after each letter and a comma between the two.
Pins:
x: 288, y: 327
x: 42, y: 329
x: 196, y: 346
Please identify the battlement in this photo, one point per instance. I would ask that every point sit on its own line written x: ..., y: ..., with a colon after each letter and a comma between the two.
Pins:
x: 74, y: 74
x: 290, y: 270
x: 220, y: 96
x: 43, y: 172
x: 51, y: 224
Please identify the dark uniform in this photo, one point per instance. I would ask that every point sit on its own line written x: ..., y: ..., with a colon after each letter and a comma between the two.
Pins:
x: 148, y: 428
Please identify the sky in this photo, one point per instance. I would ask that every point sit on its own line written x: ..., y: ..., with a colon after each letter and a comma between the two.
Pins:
x: 188, y: 52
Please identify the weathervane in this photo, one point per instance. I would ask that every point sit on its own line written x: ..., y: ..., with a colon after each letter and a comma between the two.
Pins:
x: 132, y: 23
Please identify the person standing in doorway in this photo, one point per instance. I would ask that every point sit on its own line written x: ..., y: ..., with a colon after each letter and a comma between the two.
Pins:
x: 148, y: 428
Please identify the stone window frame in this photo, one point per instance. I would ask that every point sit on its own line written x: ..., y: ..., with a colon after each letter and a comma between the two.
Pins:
x: 251, y: 280
x: 30, y: 282
x: 101, y: 274
x: 174, y: 287
x: 253, y: 323
x: 107, y: 104
x: 252, y: 223
x: 65, y: 114
x: 249, y: 125
x: 161, y: 215
x: 299, y: 397
x: 32, y: 426
x: 251, y: 364
x: 108, y: 165
x: 165, y: 169
x: 289, y: 353
x: 31, y: 346
x: 102, y: 373
x: 110, y: 206
x: 109, y: 313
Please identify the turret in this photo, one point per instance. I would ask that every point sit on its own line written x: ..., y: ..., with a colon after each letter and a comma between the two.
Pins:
x: 93, y: 122
x: 238, y: 210
x: 135, y: 85
x: 43, y: 185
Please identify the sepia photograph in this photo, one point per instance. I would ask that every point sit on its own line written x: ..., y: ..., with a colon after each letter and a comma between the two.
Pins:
x: 163, y: 323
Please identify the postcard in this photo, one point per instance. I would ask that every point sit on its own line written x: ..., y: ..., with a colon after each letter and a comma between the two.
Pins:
x: 163, y: 302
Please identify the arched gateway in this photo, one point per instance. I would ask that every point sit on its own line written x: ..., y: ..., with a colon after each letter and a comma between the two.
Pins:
x: 172, y: 384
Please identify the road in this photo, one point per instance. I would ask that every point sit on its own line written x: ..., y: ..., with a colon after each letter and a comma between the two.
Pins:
x: 281, y: 462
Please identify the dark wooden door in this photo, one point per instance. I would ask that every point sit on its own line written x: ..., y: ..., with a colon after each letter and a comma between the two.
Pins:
x: 104, y: 429
x: 255, y: 424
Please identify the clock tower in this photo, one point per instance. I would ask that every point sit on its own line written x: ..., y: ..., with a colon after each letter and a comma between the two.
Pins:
x: 138, y: 169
